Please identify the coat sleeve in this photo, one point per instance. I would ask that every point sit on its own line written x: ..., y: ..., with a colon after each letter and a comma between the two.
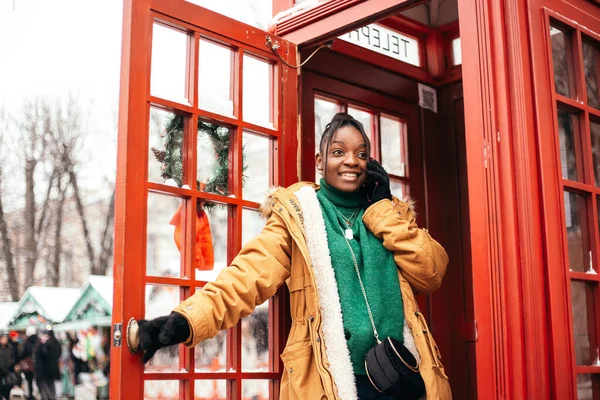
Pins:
x: 422, y: 260
x: 251, y: 279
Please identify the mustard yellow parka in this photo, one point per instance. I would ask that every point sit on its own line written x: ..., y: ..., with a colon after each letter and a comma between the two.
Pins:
x: 290, y: 249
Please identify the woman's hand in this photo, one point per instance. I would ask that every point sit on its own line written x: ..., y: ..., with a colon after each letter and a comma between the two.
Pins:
x: 161, y: 332
x: 377, y: 186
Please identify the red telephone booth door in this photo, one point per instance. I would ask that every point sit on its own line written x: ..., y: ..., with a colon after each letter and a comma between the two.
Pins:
x: 207, y: 117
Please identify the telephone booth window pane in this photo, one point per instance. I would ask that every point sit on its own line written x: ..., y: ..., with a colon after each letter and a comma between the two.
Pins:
x: 397, y: 188
x: 215, y: 92
x: 213, y: 158
x: 163, y: 231
x: 161, y: 389
x: 258, y: 84
x: 255, y: 340
x: 252, y: 224
x: 587, y: 387
x: 324, y: 112
x: 456, y: 52
x: 595, y: 136
x: 569, y: 139
x: 325, y: 109
x: 581, y: 296
x: 168, y: 74
x: 210, y: 354
x: 578, y: 234
x: 392, y: 145
x: 165, y: 147
x: 365, y: 118
x: 562, y: 61
x: 161, y: 300
x: 591, y: 66
x: 257, y: 173
x: 217, y: 215
x: 213, y: 389
x: 255, y: 389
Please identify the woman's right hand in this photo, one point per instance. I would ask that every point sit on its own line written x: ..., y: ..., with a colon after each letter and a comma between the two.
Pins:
x: 161, y: 332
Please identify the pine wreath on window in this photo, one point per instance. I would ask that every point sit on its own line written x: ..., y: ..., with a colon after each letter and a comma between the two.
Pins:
x: 171, y: 171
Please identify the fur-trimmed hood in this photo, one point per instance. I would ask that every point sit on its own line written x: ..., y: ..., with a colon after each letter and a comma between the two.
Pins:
x: 266, y: 208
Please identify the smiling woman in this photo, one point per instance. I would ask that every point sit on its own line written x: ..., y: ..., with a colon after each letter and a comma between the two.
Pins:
x: 344, y: 152
x: 366, y: 253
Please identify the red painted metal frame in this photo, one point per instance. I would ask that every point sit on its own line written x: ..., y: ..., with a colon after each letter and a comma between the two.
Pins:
x: 563, y: 369
x: 480, y: 133
x: 127, y: 373
x: 435, y: 49
x: 329, y: 19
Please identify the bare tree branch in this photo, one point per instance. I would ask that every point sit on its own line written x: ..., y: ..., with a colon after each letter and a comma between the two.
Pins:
x: 107, y: 241
x: 54, y: 271
x: 7, y: 250
x: 81, y: 212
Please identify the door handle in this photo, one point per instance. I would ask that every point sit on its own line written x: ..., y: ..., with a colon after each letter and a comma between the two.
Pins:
x: 133, y: 335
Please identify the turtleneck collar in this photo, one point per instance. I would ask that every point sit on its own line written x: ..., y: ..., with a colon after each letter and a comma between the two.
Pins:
x: 341, y: 199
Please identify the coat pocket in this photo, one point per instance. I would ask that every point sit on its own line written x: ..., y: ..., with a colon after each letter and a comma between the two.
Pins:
x: 297, y: 287
x: 300, y: 368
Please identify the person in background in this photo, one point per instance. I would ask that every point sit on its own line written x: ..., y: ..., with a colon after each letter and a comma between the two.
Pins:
x: 26, y: 358
x: 6, y: 364
x: 46, y: 357
x: 14, y: 344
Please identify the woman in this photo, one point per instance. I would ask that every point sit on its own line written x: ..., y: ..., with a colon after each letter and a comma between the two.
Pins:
x: 316, y: 239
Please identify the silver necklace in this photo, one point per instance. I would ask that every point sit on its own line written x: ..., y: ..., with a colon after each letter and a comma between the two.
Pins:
x: 348, y: 233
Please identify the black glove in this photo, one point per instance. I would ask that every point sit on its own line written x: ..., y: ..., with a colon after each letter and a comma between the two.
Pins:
x: 377, y: 186
x: 161, y: 332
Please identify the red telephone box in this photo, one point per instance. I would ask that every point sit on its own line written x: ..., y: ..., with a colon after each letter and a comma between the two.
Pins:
x: 503, y: 168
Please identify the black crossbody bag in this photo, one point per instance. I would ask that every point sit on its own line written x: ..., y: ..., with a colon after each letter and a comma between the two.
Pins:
x: 391, y: 367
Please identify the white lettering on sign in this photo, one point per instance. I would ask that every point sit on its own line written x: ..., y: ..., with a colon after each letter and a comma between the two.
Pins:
x: 385, y: 41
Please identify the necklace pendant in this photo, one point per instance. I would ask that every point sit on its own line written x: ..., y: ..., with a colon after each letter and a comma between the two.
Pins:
x: 349, y: 234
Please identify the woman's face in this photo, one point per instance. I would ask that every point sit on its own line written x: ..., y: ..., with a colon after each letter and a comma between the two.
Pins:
x: 346, y: 160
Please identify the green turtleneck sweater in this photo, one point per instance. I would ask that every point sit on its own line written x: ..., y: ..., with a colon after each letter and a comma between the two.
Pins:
x: 378, y: 272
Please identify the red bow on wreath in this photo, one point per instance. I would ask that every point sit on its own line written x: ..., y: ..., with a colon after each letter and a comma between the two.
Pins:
x: 205, y: 257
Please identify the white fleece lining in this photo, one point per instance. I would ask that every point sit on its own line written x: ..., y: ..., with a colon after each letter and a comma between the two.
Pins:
x: 336, y: 349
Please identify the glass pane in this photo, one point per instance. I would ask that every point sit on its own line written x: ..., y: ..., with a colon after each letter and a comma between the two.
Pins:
x: 561, y: 59
x: 255, y: 389
x: 568, y: 136
x: 258, y: 85
x: 210, y: 354
x: 161, y: 300
x: 582, y: 295
x: 215, y: 92
x: 456, y: 52
x: 164, y: 235
x: 217, y: 216
x: 213, y: 160
x: 258, y: 161
x: 252, y: 224
x: 211, y: 389
x: 255, y: 340
x: 587, y: 387
x: 169, y: 64
x: 365, y: 118
x: 392, y: 145
x: 397, y: 188
x: 591, y: 66
x: 161, y: 390
x: 324, y: 112
x: 165, y: 147
x: 595, y: 135
x: 577, y: 232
